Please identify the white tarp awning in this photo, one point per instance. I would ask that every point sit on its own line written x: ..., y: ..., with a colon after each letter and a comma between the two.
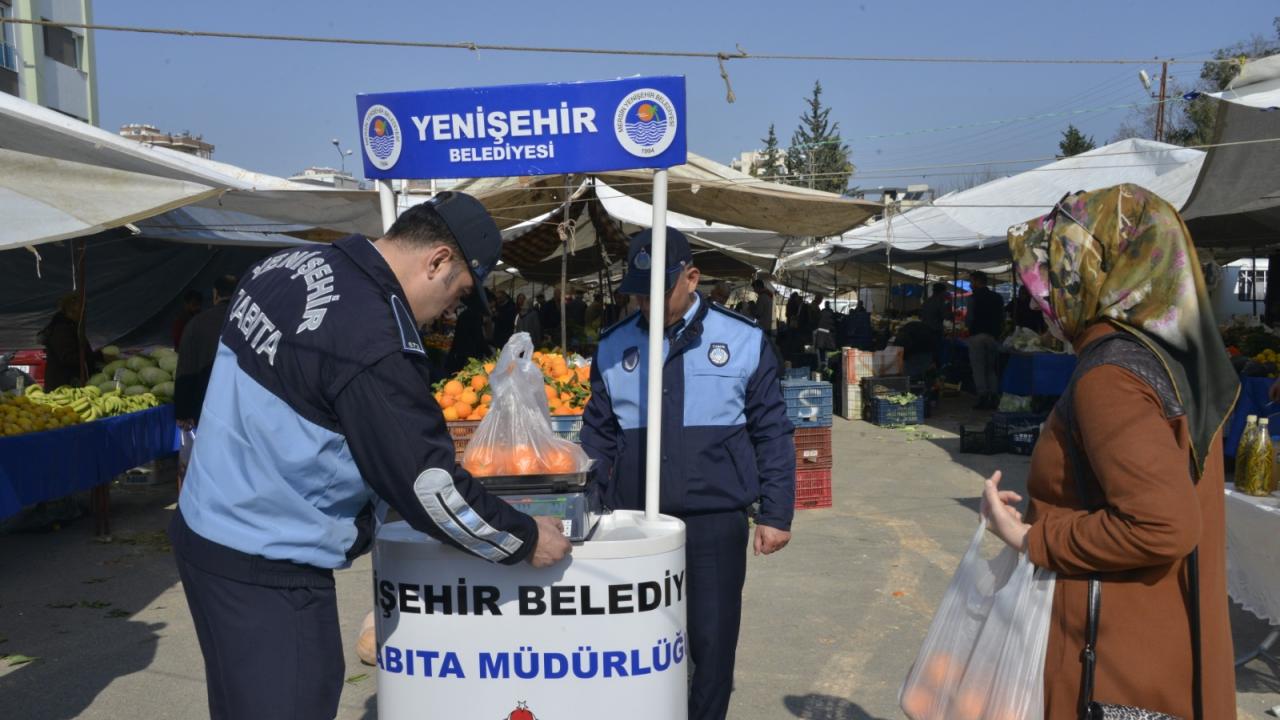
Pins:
x: 29, y: 128
x: 1257, y: 85
x: 44, y: 200
x: 980, y: 217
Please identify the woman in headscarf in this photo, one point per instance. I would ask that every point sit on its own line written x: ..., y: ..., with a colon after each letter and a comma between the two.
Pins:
x: 1120, y: 260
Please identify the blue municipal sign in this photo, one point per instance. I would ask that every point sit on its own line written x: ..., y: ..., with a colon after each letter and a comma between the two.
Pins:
x: 512, y: 130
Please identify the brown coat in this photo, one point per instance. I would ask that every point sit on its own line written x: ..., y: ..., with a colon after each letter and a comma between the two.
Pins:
x: 1154, y: 517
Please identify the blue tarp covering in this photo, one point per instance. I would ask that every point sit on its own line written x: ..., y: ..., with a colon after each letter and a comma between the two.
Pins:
x: 1037, y: 373
x: 52, y: 464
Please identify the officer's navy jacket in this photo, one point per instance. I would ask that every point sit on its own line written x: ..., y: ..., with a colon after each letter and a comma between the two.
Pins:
x: 319, y: 405
x: 726, y: 439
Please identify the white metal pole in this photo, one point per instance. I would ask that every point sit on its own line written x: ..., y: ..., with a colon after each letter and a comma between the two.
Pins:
x: 387, y: 199
x: 657, y: 330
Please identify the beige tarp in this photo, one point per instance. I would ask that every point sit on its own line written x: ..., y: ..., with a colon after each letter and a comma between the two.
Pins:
x: 701, y: 188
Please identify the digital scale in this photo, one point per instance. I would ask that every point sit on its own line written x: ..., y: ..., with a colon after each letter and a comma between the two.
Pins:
x: 564, y: 496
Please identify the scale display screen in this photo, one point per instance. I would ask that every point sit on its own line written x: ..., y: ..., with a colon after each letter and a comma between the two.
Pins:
x: 571, y: 508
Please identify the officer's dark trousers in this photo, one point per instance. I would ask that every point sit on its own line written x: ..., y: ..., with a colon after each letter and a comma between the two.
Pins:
x: 270, y: 652
x: 716, y: 567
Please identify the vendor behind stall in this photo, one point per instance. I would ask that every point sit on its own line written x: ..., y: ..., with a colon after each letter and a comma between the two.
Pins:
x: 65, y: 344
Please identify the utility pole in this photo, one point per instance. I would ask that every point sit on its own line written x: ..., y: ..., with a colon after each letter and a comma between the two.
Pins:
x: 1164, y: 77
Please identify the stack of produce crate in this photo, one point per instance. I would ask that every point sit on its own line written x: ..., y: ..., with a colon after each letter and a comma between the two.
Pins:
x: 854, y: 366
x: 813, y: 467
x: 808, y: 402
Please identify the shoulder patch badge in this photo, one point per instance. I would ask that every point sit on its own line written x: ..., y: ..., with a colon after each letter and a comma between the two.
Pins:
x: 410, y: 340
x: 631, y: 359
x: 718, y: 354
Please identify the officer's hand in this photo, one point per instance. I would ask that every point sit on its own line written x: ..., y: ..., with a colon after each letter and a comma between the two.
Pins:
x: 552, y: 544
x: 770, y: 540
x: 1274, y: 393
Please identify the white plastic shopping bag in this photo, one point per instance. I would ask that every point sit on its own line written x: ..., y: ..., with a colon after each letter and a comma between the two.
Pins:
x: 515, y: 437
x: 983, y: 657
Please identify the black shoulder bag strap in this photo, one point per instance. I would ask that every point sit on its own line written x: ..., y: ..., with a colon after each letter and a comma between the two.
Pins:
x: 1124, y: 351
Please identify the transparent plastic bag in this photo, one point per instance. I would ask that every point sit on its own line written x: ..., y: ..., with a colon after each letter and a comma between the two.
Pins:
x: 515, y: 437
x: 983, y: 657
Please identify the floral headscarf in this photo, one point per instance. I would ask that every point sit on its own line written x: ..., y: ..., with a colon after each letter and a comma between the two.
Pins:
x: 1123, y: 254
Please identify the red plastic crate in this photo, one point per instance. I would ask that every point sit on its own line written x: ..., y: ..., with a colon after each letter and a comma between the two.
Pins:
x: 32, y: 362
x: 813, y: 448
x: 813, y: 489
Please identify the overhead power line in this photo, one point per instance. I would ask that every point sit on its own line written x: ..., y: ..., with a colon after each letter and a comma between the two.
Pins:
x: 737, y: 54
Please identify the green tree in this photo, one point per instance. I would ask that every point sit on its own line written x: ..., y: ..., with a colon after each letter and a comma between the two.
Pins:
x: 1074, y: 142
x: 818, y: 158
x: 769, y: 164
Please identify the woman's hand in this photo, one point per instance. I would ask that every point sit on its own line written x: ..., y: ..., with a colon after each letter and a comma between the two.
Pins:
x: 1003, y: 518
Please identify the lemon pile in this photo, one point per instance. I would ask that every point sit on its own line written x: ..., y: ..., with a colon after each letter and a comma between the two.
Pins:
x: 18, y: 415
x: 1271, y: 359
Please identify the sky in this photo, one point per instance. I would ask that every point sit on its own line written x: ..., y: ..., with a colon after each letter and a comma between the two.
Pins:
x: 274, y: 107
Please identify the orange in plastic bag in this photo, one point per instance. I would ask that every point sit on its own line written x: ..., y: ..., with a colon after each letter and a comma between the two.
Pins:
x: 515, y: 435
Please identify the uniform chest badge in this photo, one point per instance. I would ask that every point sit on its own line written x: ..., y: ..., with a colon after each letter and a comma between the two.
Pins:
x: 631, y: 359
x: 718, y: 354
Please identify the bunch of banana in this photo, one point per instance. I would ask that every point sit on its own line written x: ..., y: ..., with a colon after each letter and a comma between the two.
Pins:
x: 90, y: 403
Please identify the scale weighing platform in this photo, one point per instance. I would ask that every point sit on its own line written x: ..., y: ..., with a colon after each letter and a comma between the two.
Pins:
x: 564, y: 496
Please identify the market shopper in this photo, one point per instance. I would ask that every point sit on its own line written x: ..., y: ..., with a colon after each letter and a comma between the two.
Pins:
x: 986, y: 325
x: 316, y: 410
x: 726, y: 444
x: 764, y: 306
x: 468, y: 338
x: 1126, y: 482
x: 66, y: 349
x: 192, y: 302
x: 196, y: 353
x: 529, y: 320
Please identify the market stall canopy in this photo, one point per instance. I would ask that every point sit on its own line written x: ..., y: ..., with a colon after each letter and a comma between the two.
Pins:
x: 599, y: 242
x: 1236, y: 201
x: 975, y: 222
x: 29, y: 128
x: 701, y: 188
x: 208, y: 226
x: 134, y: 285
x: 842, y: 276
x: 43, y: 200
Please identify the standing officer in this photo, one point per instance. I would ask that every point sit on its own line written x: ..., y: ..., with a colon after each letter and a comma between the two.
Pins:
x: 726, y: 444
x: 319, y: 407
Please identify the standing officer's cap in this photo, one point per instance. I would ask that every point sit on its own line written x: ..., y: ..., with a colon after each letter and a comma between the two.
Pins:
x: 639, y: 260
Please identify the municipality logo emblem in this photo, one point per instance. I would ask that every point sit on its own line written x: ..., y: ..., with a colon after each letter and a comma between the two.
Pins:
x: 631, y: 359
x: 718, y: 354
x: 645, y: 122
x: 382, y: 137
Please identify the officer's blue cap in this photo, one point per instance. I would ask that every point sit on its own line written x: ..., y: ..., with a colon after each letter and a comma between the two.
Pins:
x: 639, y: 260
x: 475, y: 233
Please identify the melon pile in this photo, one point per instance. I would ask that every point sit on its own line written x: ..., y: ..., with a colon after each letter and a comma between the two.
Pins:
x: 150, y: 371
